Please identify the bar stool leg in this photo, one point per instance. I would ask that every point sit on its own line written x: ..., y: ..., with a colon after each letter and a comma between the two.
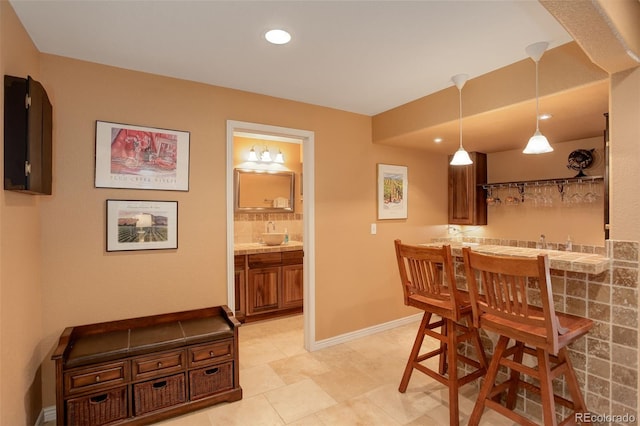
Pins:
x: 579, y: 406
x: 546, y: 389
x: 452, y: 368
x: 514, y: 379
x: 445, y: 331
x: 489, y: 381
x: 477, y: 343
x: 415, y: 351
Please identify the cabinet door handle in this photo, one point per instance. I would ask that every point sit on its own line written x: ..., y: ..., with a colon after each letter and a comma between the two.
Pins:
x: 159, y: 365
x: 160, y: 385
x: 99, y: 399
x: 211, y: 371
x: 211, y: 354
x: 97, y: 378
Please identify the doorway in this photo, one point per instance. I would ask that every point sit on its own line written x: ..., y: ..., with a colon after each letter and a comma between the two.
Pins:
x: 306, y: 138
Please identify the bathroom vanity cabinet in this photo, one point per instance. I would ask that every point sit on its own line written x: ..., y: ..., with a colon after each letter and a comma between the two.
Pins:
x: 467, y: 205
x: 142, y: 370
x: 273, y: 284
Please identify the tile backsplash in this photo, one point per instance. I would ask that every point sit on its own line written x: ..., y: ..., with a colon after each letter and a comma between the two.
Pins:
x: 249, y: 227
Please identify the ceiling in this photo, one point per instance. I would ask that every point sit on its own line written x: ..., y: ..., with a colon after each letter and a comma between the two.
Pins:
x: 359, y: 56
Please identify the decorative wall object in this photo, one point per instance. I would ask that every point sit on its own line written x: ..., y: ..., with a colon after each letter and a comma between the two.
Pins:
x: 142, y: 225
x: 392, y: 191
x: 136, y: 157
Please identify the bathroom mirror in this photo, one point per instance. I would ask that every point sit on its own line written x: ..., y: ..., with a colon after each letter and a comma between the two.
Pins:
x: 260, y: 191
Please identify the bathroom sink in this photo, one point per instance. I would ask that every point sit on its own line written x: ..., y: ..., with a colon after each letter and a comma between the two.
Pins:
x: 273, y: 238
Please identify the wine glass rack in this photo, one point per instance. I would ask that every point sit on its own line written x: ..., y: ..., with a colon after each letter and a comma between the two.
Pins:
x: 522, y: 185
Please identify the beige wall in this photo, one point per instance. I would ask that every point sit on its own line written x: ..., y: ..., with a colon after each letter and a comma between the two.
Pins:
x: 83, y: 284
x: 625, y: 154
x: 20, y: 259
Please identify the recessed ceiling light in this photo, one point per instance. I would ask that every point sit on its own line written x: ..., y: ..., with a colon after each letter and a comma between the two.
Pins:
x: 437, y: 140
x: 278, y: 36
x: 545, y: 116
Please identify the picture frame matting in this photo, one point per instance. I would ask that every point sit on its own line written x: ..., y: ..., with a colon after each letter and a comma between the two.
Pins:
x: 137, y: 157
x: 141, y: 225
x: 393, y: 185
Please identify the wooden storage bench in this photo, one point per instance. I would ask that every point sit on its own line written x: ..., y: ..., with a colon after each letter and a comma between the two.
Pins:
x: 142, y: 370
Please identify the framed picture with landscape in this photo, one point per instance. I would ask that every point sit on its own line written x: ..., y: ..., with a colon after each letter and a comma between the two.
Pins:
x: 142, y: 225
x: 136, y: 157
x: 392, y: 191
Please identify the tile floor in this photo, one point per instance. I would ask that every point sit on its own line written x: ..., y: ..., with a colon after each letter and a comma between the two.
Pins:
x: 354, y: 383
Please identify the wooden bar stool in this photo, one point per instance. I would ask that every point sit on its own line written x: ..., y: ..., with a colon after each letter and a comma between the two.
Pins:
x: 428, y: 282
x: 501, y: 289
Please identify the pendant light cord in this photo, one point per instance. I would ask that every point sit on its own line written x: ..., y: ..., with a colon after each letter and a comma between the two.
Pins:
x: 537, y: 101
x: 460, y: 121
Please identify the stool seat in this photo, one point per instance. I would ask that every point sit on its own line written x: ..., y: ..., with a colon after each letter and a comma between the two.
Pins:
x: 428, y: 283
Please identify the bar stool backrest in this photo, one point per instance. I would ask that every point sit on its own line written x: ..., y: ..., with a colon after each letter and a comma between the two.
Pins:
x: 512, y: 297
x: 427, y: 277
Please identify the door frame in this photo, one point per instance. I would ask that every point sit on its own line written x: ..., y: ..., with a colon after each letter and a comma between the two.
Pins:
x: 308, y: 218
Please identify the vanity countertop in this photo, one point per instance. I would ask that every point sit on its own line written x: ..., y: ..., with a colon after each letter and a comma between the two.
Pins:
x: 252, y: 248
x: 561, y: 260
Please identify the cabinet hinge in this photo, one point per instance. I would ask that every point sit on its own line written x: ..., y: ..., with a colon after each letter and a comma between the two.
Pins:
x: 27, y: 168
x: 27, y: 101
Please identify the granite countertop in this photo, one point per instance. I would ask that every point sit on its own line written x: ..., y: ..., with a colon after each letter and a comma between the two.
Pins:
x: 252, y: 248
x: 561, y: 260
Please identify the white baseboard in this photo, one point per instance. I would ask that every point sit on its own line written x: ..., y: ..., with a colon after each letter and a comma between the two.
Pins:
x: 49, y: 413
x: 343, y: 338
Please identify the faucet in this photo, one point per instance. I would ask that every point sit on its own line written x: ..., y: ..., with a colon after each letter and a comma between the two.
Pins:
x: 273, y: 226
x: 542, y: 242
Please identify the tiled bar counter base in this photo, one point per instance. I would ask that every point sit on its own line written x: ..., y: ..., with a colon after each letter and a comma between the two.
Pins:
x: 606, y: 360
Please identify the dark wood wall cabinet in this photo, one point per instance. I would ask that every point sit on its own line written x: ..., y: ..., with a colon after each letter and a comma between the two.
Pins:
x: 467, y: 205
x: 268, y: 284
x: 141, y: 370
x: 28, y: 135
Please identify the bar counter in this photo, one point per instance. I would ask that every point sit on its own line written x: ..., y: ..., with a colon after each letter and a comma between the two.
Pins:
x: 568, y: 261
x: 588, y: 283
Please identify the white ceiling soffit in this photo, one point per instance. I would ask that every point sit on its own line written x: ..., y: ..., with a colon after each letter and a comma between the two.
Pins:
x: 360, y: 56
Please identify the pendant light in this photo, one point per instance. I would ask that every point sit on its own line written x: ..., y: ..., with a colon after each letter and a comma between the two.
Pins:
x: 461, y: 157
x: 538, y: 144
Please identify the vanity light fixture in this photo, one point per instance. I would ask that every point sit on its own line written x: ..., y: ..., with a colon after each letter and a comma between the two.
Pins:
x: 252, y: 155
x: 461, y: 157
x: 263, y: 155
x: 277, y: 36
x: 538, y: 143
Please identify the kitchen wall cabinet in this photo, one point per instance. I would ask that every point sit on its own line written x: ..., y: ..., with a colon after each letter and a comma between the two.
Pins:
x: 467, y: 205
x: 273, y: 284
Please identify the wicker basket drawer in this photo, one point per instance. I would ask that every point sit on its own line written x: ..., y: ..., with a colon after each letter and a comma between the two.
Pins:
x: 210, y: 380
x: 159, y: 393
x: 91, y: 379
x: 212, y: 353
x: 147, y: 367
x: 98, y: 409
